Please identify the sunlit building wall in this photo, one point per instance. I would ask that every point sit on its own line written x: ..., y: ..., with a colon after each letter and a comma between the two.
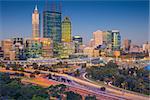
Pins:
x: 33, y: 47
x: 7, y: 47
x: 126, y: 44
x: 52, y: 25
x: 68, y: 49
x: 98, y: 38
x: 1, y: 53
x: 18, y: 47
x: 146, y: 47
x: 77, y: 40
x: 66, y: 30
x: 116, y: 40
x: 46, y: 47
x: 89, y: 51
x: 35, y: 23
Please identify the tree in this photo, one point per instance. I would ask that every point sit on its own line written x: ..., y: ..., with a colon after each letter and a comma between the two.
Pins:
x: 35, y: 97
x: 89, y: 97
x: 35, y: 66
x: 32, y: 75
x: 73, y: 96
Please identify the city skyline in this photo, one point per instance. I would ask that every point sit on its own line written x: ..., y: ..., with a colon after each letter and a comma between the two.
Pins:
x: 132, y: 19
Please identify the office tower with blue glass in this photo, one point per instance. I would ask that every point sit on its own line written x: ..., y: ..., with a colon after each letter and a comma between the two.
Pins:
x: 52, y: 24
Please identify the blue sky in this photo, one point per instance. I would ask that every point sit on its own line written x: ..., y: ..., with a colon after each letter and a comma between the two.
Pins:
x: 130, y: 17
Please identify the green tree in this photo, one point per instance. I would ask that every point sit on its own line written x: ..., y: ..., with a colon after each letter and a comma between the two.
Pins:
x: 73, y: 96
x: 89, y: 97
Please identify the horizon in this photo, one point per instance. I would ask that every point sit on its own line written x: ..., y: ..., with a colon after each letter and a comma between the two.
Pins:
x: 132, y: 19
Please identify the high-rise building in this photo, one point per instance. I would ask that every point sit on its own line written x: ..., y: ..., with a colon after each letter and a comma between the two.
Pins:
x: 98, y: 38
x: 66, y: 30
x: 39, y: 47
x: 126, y: 44
x: 7, y: 48
x: 35, y: 23
x: 77, y: 40
x: 1, y: 53
x: 52, y: 25
x: 116, y: 40
x: 18, y: 47
x: 47, y: 47
x: 91, y: 43
x: 146, y: 47
x: 33, y: 47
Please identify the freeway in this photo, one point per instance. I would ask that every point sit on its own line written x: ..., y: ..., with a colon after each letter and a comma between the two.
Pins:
x: 40, y: 80
x: 125, y: 93
x: 92, y: 87
x: 110, y: 91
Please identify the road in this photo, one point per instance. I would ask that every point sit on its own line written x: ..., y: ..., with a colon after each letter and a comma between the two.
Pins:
x: 87, y: 85
x: 39, y: 80
x: 124, y: 93
x: 110, y: 91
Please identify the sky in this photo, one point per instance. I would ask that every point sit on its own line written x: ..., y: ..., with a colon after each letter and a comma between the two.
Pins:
x: 130, y: 17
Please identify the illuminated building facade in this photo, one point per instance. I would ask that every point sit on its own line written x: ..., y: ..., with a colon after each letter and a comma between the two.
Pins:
x: 35, y: 23
x: 66, y: 30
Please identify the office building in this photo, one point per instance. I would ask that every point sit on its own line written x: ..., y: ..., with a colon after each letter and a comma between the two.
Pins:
x: 1, y: 53
x: 7, y: 48
x: 52, y: 25
x: 126, y: 44
x: 66, y: 30
x: 18, y: 47
x: 35, y: 23
x: 77, y: 40
x: 46, y: 47
x: 98, y: 38
x: 33, y: 47
x: 146, y: 47
x: 116, y: 40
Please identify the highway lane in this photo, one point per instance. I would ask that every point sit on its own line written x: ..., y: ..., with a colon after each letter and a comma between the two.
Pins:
x: 39, y: 80
x: 111, y: 91
x: 126, y: 93
x: 84, y: 83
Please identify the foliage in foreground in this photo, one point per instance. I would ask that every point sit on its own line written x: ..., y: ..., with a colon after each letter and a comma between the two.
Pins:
x: 133, y: 79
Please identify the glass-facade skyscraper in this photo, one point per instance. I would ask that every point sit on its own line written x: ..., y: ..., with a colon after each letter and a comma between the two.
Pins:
x: 116, y: 40
x: 52, y: 25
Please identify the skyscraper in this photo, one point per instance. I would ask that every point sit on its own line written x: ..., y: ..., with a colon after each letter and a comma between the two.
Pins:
x: 116, y: 40
x: 52, y: 24
x: 77, y: 40
x: 98, y: 38
x: 126, y: 44
x: 66, y: 30
x: 35, y: 23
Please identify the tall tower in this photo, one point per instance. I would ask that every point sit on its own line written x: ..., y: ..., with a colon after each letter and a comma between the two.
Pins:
x: 66, y: 30
x: 116, y: 40
x: 98, y: 38
x: 52, y: 23
x: 35, y: 23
